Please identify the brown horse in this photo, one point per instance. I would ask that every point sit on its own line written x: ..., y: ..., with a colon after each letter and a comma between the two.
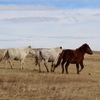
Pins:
x: 73, y: 56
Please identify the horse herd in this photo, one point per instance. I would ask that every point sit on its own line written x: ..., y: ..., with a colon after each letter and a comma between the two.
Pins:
x: 63, y: 56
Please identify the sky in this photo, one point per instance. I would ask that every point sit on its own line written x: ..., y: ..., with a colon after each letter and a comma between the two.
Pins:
x: 50, y: 23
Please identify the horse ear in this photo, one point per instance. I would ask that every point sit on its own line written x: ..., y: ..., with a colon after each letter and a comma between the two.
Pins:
x: 60, y: 47
x: 30, y: 47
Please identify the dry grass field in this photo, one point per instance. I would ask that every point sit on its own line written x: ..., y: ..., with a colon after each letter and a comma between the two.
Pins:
x: 28, y: 84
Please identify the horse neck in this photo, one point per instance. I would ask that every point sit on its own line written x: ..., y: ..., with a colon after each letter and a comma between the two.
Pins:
x: 26, y: 49
x: 81, y: 51
x: 57, y: 50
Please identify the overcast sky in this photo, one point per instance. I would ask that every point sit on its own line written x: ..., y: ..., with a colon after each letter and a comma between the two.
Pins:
x: 50, y: 23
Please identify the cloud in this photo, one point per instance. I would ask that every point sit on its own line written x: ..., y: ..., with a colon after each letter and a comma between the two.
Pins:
x: 49, y: 42
x: 34, y: 19
x: 49, y: 0
x: 27, y: 7
x: 65, y: 16
x: 41, y: 38
x: 97, y: 14
x: 72, y: 37
x: 50, y: 28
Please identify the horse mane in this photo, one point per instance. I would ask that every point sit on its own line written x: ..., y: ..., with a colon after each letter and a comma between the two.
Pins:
x: 57, y: 48
x: 83, y: 47
x: 29, y: 46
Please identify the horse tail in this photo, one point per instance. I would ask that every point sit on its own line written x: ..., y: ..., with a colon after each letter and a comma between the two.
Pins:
x: 4, y: 55
x: 38, y: 58
x: 59, y: 59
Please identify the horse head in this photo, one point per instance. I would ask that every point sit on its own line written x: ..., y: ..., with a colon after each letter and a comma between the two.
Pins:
x: 87, y: 49
x: 31, y: 50
x: 60, y: 50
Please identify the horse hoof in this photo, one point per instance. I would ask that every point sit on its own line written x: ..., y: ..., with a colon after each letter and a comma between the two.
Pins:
x: 67, y: 73
x: 21, y: 68
x: 52, y: 71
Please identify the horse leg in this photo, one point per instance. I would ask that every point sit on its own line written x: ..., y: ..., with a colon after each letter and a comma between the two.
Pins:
x: 38, y: 61
x: 5, y: 64
x: 39, y: 68
x: 62, y: 64
x: 82, y: 66
x: 21, y: 64
x: 6, y: 61
x: 45, y: 63
x: 52, y: 67
x: 66, y: 67
x: 10, y: 64
x: 77, y: 67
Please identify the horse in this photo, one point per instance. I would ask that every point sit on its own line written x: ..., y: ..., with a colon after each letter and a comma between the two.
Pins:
x: 16, y: 54
x: 74, y: 57
x: 48, y: 55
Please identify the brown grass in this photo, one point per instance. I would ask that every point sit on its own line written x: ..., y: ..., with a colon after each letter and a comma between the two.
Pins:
x: 28, y: 84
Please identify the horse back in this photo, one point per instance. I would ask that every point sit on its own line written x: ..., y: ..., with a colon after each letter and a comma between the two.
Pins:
x: 68, y: 55
x: 14, y: 53
x: 49, y: 54
x: 74, y: 56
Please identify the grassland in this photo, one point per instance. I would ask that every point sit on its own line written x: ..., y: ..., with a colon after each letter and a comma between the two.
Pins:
x: 28, y: 84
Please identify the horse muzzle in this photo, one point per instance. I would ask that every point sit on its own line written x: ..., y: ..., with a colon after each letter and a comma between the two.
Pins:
x: 91, y: 52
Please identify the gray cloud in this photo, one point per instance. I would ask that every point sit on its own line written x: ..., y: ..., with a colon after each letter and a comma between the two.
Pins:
x: 11, y: 39
x: 72, y: 37
x: 70, y: 19
x: 34, y: 19
x: 31, y: 39
x: 27, y: 39
x: 49, y: 0
x: 98, y: 14
x: 27, y: 7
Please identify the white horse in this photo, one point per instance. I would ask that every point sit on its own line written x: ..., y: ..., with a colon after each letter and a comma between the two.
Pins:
x: 16, y: 54
x: 48, y: 55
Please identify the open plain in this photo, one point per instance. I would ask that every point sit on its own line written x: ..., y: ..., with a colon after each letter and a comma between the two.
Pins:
x: 29, y: 84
